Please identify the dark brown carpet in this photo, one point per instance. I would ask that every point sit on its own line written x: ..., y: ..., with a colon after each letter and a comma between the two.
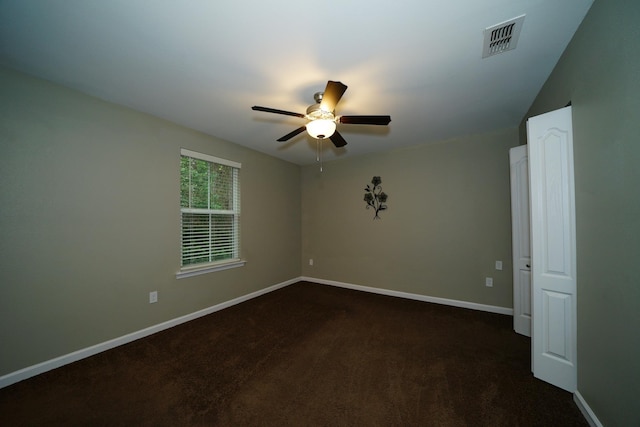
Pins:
x: 305, y: 355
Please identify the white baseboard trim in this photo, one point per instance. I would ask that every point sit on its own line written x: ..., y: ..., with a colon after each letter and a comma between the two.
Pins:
x: 584, y: 407
x: 418, y: 297
x: 30, y: 371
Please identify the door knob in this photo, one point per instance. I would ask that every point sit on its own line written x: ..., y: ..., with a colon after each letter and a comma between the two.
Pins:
x: 528, y: 266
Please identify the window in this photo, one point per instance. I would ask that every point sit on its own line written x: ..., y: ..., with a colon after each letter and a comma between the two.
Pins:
x: 210, y: 210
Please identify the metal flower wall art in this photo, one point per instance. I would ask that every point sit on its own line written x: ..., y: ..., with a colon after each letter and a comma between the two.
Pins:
x: 375, y: 197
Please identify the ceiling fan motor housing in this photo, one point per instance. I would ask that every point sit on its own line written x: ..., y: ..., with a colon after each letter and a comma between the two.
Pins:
x: 314, y: 112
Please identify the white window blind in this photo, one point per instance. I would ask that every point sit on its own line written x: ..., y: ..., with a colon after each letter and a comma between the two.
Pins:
x: 210, y: 210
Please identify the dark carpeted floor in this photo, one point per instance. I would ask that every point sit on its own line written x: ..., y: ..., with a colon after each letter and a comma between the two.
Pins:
x: 305, y: 355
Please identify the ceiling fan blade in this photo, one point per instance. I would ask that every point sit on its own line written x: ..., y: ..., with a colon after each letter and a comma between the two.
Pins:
x: 332, y: 94
x: 292, y: 134
x: 273, y: 110
x: 337, y: 140
x: 366, y: 120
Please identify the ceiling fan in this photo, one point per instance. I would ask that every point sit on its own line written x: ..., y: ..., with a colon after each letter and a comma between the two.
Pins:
x: 322, y: 118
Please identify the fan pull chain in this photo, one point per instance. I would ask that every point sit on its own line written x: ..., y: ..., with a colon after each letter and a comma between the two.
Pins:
x: 319, y: 153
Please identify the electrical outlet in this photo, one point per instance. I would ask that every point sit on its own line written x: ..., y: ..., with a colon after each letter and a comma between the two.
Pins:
x: 498, y: 265
x: 153, y: 297
x: 310, y: 261
x: 488, y: 281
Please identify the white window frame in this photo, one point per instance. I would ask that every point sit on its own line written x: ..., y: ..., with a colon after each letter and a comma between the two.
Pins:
x: 236, y: 261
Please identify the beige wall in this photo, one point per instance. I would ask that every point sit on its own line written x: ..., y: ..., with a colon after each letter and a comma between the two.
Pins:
x: 89, y: 222
x: 447, y: 223
x: 600, y: 74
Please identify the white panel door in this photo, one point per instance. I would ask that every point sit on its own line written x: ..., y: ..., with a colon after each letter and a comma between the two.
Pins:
x: 553, y: 248
x: 521, y: 243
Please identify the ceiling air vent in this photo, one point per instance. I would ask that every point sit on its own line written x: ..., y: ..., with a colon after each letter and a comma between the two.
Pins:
x: 502, y: 37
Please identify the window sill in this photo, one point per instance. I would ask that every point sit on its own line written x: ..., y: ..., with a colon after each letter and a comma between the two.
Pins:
x: 209, y: 268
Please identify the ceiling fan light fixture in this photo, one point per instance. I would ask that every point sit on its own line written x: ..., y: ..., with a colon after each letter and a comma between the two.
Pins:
x: 321, y: 128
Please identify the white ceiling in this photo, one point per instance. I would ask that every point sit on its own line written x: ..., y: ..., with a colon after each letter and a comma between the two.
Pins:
x: 204, y: 63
